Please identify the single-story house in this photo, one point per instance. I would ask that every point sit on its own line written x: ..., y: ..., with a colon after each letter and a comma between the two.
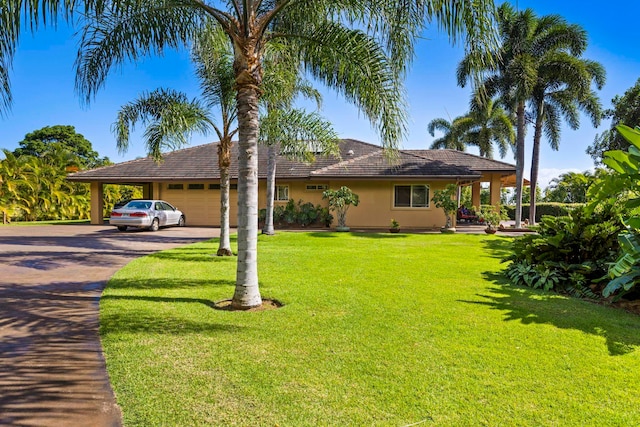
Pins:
x: 401, y: 188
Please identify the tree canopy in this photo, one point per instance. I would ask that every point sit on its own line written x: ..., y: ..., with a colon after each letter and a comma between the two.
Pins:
x: 625, y: 111
x: 44, y: 142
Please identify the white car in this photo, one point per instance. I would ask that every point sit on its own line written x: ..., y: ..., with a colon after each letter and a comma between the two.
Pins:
x: 150, y: 214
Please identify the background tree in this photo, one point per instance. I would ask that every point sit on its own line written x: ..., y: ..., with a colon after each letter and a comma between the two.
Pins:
x: 451, y: 134
x: 487, y: 124
x: 571, y: 187
x: 171, y: 118
x: 626, y: 111
x: 539, y: 74
x: 41, y: 142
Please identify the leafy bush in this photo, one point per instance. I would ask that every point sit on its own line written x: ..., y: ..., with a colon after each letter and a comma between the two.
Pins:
x: 570, y: 253
x: 299, y: 214
x: 552, y: 209
x: 623, y: 188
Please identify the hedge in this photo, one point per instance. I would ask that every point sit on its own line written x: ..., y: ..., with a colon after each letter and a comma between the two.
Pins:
x: 551, y: 209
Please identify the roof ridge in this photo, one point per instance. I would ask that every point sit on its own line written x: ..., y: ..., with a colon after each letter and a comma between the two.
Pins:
x: 346, y: 162
x: 450, y: 150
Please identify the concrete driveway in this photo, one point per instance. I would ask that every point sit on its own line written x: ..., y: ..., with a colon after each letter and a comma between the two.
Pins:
x: 52, y: 371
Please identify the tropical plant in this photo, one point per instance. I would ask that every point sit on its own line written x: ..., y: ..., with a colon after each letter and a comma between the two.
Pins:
x: 625, y: 111
x: 332, y: 41
x: 508, y: 74
x: 569, y: 253
x: 339, y: 201
x: 623, y: 188
x: 301, y: 214
x: 570, y: 187
x: 492, y: 216
x: 445, y: 199
x: 171, y: 117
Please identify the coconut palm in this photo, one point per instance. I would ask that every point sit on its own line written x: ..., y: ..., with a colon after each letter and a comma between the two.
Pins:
x: 332, y: 40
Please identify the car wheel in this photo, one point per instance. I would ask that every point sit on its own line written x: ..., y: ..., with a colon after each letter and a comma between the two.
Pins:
x: 122, y: 228
x: 182, y: 222
x: 155, y: 225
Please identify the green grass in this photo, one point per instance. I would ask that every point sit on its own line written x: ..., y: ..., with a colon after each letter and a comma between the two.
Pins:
x: 377, y: 329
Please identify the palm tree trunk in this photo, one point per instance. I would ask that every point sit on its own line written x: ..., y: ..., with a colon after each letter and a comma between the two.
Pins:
x: 247, y: 292
x: 271, y: 188
x: 535, y: 164
x: 519, y: 161
x: 224, y: 161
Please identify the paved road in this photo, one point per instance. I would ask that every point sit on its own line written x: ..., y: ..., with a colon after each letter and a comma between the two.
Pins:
x: 52, y: 371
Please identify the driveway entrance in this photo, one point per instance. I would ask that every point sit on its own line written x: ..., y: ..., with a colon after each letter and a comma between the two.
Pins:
x: 52, y: 372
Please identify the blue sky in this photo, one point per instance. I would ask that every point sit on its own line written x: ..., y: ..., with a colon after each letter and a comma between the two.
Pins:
x: 43, y: 86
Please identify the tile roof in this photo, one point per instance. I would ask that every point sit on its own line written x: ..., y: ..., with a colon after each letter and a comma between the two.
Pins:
x: 460, y: 158
x: 357, y: 160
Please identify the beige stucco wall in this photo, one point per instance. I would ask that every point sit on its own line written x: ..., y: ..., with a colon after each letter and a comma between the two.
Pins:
x: 202, y: 206
x: 376, y: 203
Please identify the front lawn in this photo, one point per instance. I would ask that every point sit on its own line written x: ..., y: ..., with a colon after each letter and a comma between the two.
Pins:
x: 376, y: 329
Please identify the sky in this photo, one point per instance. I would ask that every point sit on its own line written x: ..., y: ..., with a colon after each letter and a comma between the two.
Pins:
x: 43, y: 87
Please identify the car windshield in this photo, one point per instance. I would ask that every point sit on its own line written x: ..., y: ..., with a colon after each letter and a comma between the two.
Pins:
x: 138, y: 205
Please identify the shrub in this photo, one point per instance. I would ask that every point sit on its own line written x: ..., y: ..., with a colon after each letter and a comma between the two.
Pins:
x: 570, y: 253
x: 551, y: 209
x: 298, y: 214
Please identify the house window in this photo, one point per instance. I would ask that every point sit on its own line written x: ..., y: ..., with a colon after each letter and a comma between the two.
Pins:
x: 317, y: 187
x: 282, y: 193
x: 196, y: 187
x: 411, y: 196
x: 175, y: 186
x: 217, y: 186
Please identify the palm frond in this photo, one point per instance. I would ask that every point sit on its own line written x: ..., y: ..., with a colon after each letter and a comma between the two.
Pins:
x: 128, y: 31
x: 170, y: 119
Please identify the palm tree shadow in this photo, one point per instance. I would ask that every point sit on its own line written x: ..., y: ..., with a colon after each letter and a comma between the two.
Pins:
x: 529, y: 306
x: 150, y: 321
x: 499, y: 247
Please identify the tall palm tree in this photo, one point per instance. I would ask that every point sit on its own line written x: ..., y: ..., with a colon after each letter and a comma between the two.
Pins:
x: 295, y: 133
x: 172, y: 117
x: 331, y: 38
x: 511, y: 75
x: 562, y: 91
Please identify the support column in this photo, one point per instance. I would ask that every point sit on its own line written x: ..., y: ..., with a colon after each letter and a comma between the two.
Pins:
x: 97, y: 203
x: 475, y: 194
x: 155, y: 190
x: 494, y: 191
x: 147, y: 192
